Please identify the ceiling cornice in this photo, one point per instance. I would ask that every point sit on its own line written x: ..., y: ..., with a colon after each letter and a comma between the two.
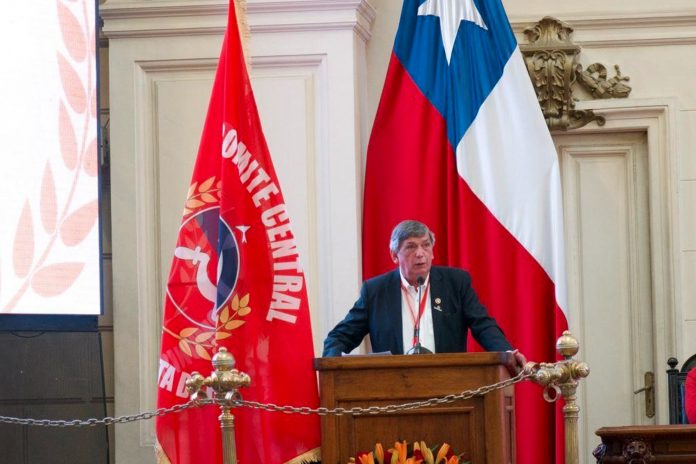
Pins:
x: 637, y: 30
x: 203, y: 17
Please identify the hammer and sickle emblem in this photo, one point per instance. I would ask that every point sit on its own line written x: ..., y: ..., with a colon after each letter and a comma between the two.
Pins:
x: 197, y: 257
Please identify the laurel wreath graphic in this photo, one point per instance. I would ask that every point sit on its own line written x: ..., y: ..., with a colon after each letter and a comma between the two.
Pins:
x: 68, y: 223
x: 199, y: 196
x: 202, y: 342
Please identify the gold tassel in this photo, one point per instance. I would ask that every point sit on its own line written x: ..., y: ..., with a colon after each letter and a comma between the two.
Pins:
x: 161, y: 457
x: 309, y: 456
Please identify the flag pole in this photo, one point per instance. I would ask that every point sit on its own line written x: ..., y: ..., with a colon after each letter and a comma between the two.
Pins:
x: 225, y: 381
x: 568, y: 346
x: 562, y: 378
x: 240, y: 8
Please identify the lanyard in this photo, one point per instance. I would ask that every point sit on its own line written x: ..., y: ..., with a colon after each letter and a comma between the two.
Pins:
x: 421, y: 309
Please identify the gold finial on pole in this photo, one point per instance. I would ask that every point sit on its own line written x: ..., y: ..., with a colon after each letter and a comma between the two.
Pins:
x: 561, y: 378
x: 225, y: 381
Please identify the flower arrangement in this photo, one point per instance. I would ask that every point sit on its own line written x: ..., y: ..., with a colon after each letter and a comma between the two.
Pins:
x: 402, y: 453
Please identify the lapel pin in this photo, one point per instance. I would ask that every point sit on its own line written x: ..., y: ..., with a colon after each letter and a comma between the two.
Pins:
x: 437, y: 304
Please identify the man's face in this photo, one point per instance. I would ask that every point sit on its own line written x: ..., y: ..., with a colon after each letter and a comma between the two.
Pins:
x: 415, y: 257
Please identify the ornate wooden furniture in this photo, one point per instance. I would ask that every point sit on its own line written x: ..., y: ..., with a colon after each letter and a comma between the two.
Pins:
x: 482, y: 428
x: 675, y: 385
x: 643, y: 444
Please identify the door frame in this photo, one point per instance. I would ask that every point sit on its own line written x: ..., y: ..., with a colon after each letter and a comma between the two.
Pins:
x: 654, y: 117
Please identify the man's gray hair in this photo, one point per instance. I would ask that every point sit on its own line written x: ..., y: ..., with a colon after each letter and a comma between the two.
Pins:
x: 407, y: 229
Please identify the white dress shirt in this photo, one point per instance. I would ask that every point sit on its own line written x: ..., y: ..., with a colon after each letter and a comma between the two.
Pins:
x: 427, y: 332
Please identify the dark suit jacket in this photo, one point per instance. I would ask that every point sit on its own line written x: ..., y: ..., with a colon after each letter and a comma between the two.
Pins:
x: 378, y: 313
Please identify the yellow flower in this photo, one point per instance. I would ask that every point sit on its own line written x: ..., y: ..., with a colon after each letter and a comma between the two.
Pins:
x: 394, y: 457
x: 379, y: 453
x: 427, y: 453
x: 401, y: 449
x: 413, y: 460
x: 399, y: 455
x: 368, y: 459
x: 441, y: 455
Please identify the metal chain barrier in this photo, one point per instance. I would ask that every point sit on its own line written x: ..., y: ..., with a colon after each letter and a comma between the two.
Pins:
x: 106, y: 420
x: 357, y: 410
x: 561, y: 377
x: 237, y: 401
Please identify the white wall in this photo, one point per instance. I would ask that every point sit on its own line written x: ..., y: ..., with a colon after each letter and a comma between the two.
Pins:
x: 318, y: 67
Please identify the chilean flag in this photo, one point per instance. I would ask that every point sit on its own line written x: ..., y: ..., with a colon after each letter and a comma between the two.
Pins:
x: 459, y: 142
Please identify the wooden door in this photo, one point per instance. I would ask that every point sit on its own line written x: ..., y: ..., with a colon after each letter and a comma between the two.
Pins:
x: 607, y: 227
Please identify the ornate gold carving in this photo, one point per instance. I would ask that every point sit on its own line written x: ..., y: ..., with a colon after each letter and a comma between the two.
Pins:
x: 560, y: 379
x: 552, y: 63
x: 594, y: 79
x: 225, y: 381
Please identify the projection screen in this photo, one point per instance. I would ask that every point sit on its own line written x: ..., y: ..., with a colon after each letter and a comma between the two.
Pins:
x: 49, y: 164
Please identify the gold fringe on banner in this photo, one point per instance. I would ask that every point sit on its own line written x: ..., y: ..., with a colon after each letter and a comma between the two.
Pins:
x: 161, y: 457
x: 310, y: 456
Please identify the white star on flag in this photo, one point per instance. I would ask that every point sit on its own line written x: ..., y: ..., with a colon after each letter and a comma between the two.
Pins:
x: 451, y: 14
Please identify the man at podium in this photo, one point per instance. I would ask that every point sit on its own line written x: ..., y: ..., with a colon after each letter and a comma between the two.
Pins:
x: 417, y: 308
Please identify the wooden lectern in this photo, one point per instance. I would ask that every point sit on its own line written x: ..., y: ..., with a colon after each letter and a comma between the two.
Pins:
x: 481, y: 428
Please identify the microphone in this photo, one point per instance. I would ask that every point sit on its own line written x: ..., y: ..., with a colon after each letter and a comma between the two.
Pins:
x: 418, y: 348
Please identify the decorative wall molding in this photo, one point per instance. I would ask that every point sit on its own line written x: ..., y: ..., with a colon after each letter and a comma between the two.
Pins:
x: 313, y: 217
x: 148, y: 231
x: 311, y: 15
x: 606, y: 241
x: 285, y: 61
x: 206, y: 17
x: 114, y: 9
x: 640, y: 30
x: 552, y: 60
x: 163, y: 19
x: 655, y: 117
x: 265, y: 6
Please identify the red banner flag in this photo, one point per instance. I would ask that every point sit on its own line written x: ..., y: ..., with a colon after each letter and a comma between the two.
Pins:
x: 459, y: 142
x: 236, y: 281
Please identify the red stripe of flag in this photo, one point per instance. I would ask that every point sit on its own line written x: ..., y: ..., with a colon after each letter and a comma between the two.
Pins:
x: 513, y: 286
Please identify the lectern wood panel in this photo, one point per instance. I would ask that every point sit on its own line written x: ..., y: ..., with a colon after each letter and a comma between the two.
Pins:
x: 459, y: 426
x: 481, y: 428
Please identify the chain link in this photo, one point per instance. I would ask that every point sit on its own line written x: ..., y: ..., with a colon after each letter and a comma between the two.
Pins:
x: 357, y: 410
x: 237, y: 401
x: 106, y: 420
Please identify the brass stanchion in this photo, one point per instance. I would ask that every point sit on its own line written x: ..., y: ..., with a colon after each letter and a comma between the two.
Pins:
x: 225, y: 381
x: 562, y: 378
